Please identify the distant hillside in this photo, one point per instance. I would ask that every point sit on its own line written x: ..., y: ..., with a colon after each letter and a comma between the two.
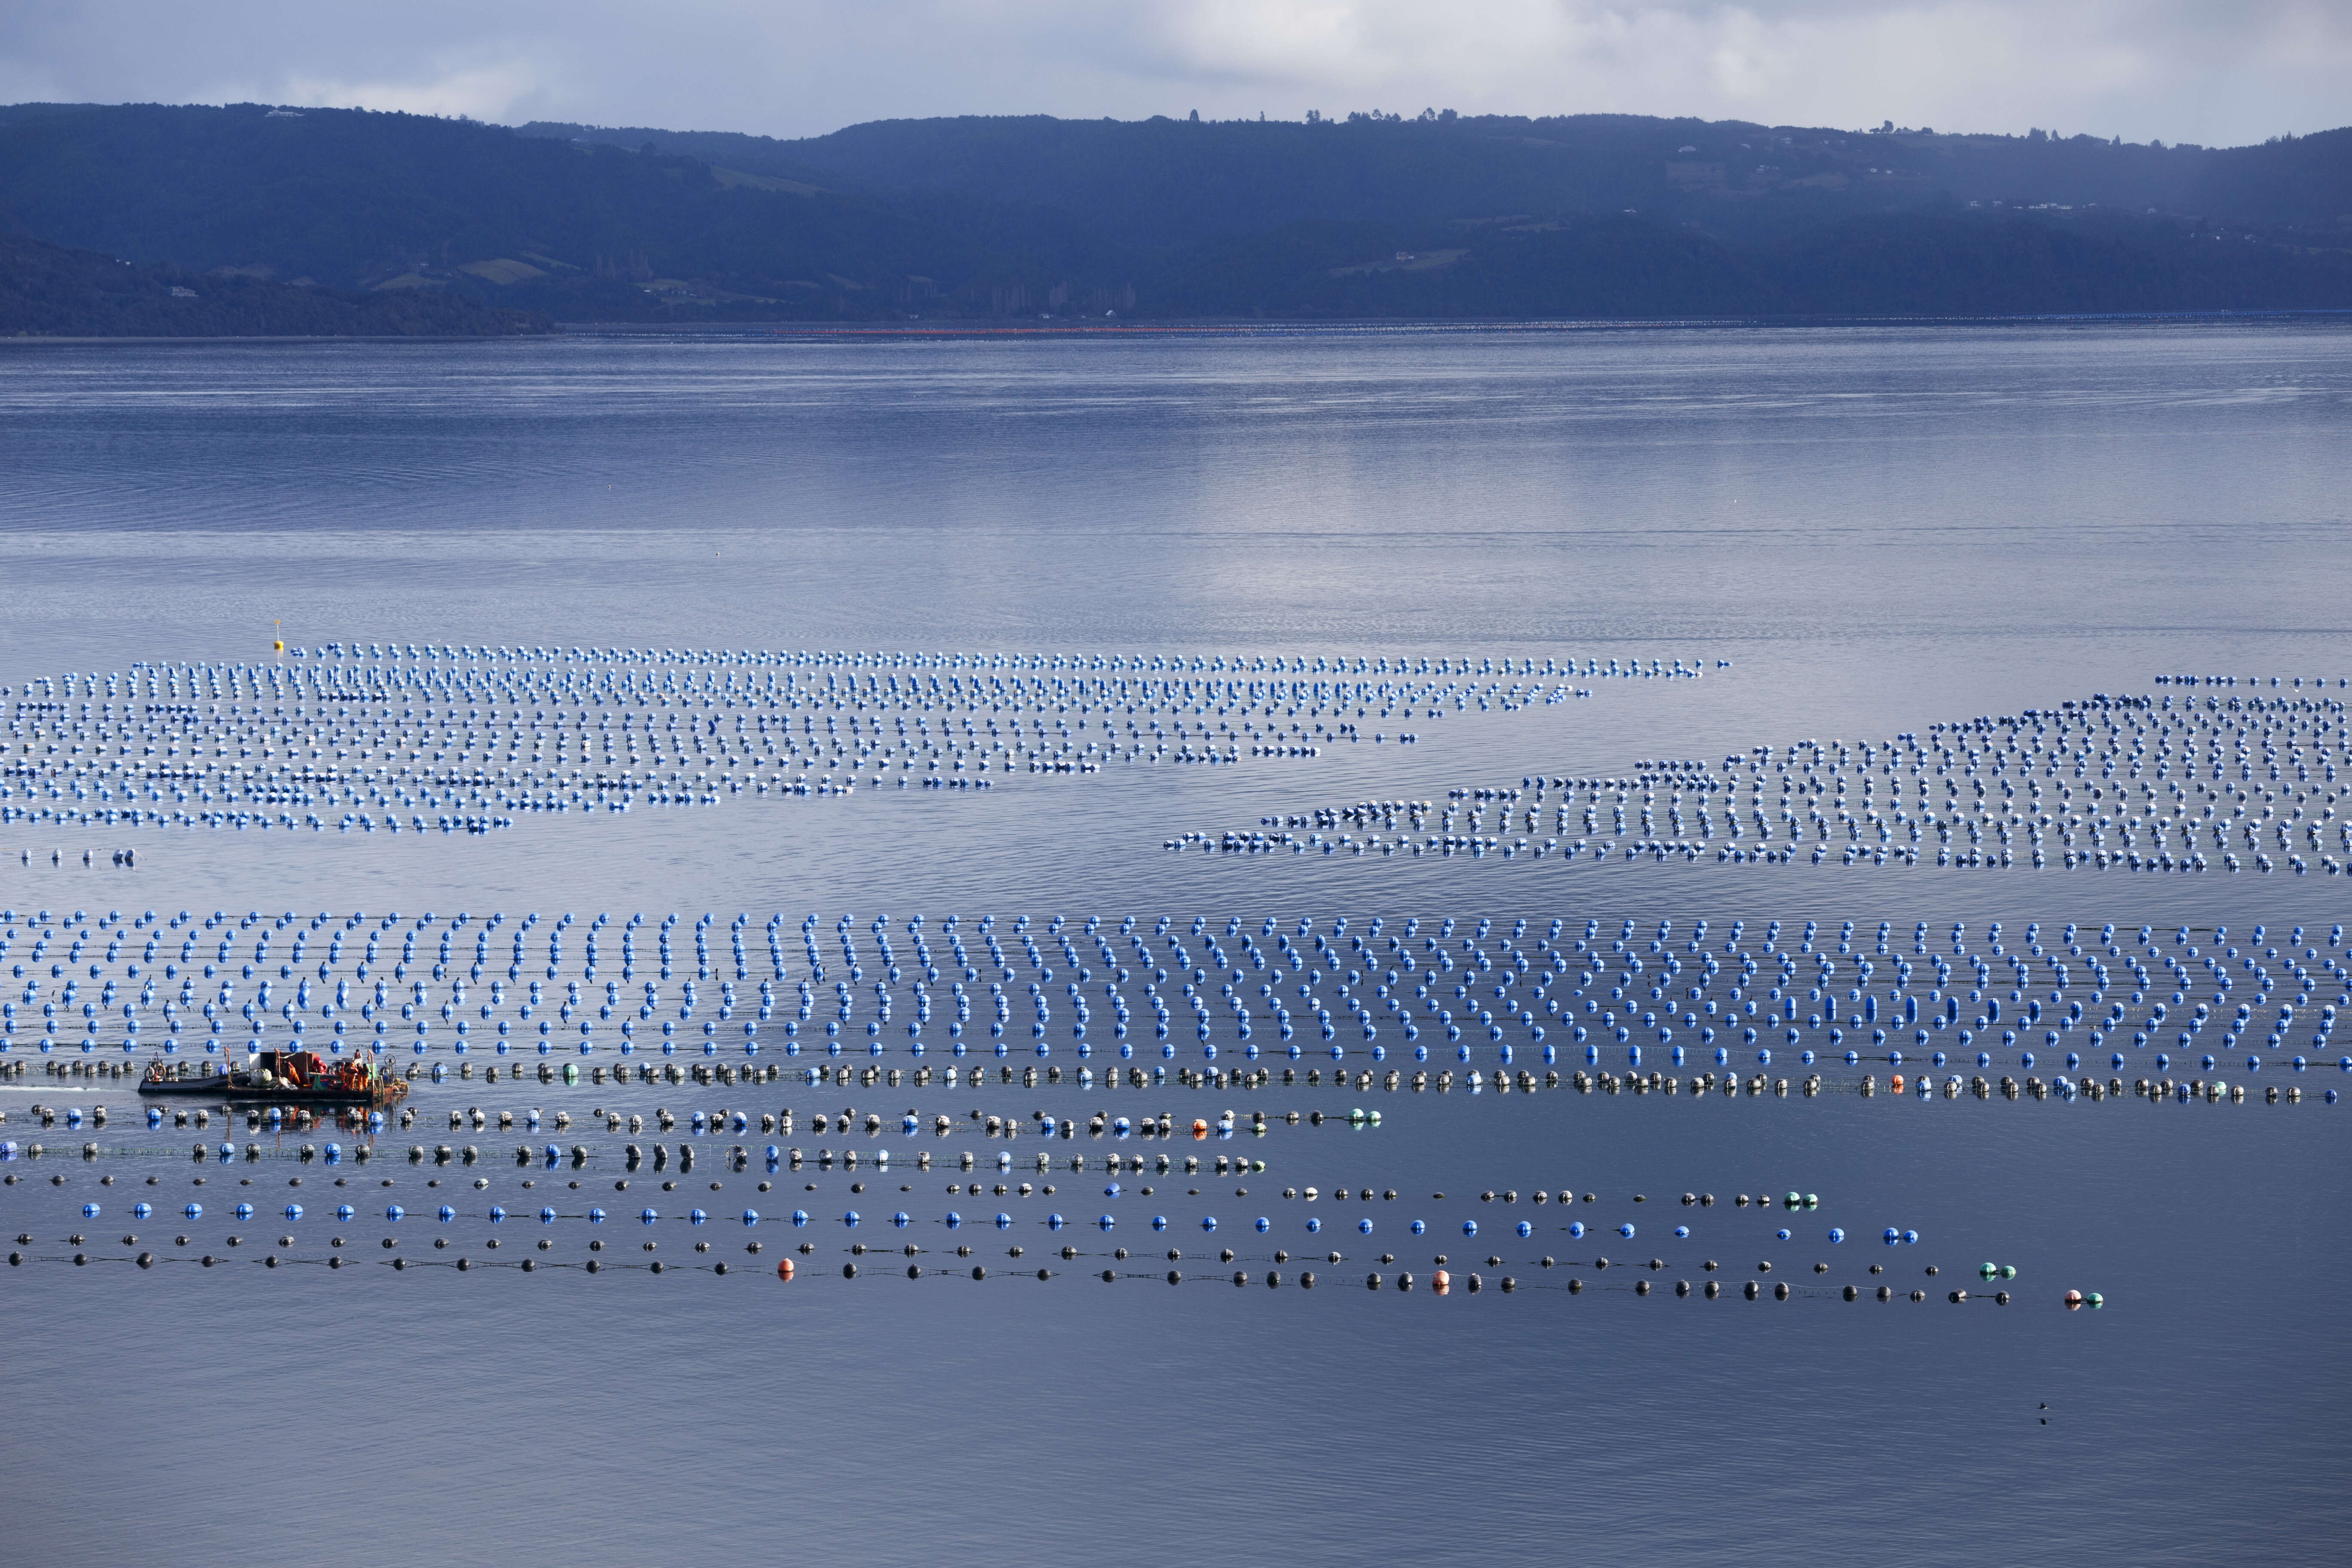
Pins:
x: 1168, y: 182
x: 359, y: 200
x: 46, y: 290
x: 1601, y: 216
x: 1939, y: 263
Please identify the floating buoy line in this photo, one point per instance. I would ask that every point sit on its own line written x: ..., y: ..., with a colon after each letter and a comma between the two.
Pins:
x: 2210, y: 780
x: 1229, y: 1123
x: 367, y: 1217
x: 899, y: 1006
x: 451, y: 993
x: 1108, y: 1172
x: 362, y: 737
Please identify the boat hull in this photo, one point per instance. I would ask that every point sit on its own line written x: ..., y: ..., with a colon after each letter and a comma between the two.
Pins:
x: 227, y: 1089
x: 217, y: 1087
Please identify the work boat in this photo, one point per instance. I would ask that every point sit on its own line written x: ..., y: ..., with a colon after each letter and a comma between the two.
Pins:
x: 278, y: 1077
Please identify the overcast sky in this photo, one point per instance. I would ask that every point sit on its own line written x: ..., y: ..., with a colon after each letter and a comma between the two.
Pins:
x: 2216, y: 71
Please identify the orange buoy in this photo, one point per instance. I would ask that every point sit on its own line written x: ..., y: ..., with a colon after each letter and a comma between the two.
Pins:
x: 1441, y: 1282
x: 1199, y: 1130
x: 1897, y: 1084
x: 784, y: 1270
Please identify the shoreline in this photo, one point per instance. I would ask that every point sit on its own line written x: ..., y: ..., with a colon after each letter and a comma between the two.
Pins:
x: 1216, y: 326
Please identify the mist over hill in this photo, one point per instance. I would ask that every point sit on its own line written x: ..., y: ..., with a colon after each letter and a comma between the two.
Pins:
x: 1449, y: 218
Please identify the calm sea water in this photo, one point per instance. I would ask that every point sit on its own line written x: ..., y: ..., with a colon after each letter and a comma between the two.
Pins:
x: 1878, y: 529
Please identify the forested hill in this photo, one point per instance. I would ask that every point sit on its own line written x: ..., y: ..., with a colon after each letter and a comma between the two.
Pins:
x: 990, y: 218
x: 47, y: 290
x: 1168, y: 183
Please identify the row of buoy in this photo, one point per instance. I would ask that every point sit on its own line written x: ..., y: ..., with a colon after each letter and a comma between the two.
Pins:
x: 1500, y: 1081
x: 383, y: 660
x: 2082, y: 1001
x: 548, y: 1213
x: 390, y: 1241
x: 2149, y: 782
x: 1113, y: 1167
x: 2175, y: 991
x: 548, y: 1251
x: 118, y: 860
x: 549, y: 1216
x: 774, y: 1157
x: 1440, y: 1282
x: 1924, y: 1086
x: 345, y: 1211
x: 1338, y: 1195
x: 1102, y: 1125
x: 381, y: 744
x: 344, y: 1207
